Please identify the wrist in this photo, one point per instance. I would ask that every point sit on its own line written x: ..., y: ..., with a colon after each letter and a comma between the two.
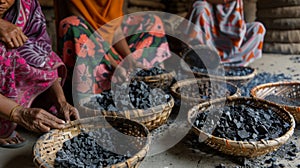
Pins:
x: 14, y: 113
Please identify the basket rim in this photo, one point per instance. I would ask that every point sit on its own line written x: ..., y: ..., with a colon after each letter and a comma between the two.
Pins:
x: 137, y: 157
x: 130, y: 113
x: 177, y: 85
x: 255, y: 89
x: 239, y: 143
x: 233, y: 78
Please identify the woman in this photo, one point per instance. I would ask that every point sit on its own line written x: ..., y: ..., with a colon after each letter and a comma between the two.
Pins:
x: 220, y: 25
x: 30, y: 74
x: 99, y: 25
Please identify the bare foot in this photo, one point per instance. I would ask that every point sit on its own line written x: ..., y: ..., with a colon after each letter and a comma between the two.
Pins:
x: 15, y: 140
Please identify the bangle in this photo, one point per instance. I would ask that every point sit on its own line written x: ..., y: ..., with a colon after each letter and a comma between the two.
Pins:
x: 13, y: 110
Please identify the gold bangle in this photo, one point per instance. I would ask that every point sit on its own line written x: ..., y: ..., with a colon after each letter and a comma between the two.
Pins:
x: 13, y: 110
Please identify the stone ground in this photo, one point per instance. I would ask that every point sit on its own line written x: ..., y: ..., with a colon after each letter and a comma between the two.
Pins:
x: 181, y: 155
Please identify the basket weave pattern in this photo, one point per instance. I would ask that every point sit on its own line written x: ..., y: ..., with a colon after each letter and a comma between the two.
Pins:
x: 241, y: 148
x: 152, y: 117
x: 193, y: 97
x: 284, y: 89
x: 46, y: 147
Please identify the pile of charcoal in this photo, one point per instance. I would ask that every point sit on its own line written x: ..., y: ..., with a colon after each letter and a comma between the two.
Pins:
x: 136, y: 95
x: 150, y: 72
x: 236, y: 71
x: 242, y: 123
x: 103, y: 101
x: 207, y: 90
x: 263, y: 78
x: 282, y: 100
x: 85, y: 151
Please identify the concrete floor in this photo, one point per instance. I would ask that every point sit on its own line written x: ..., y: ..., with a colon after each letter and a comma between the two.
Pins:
x: 179, y: 156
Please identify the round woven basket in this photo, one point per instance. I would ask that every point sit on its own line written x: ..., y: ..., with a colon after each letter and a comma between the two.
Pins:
x: 46, y: 147
x: 289, y: 90
x: 162, y: 81
x: 152, y: 117
x: 193, y: 98
x: 241, y: 148
x: 236, y: 80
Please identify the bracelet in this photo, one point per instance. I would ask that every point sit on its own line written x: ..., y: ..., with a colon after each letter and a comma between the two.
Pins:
x: 13, y: 110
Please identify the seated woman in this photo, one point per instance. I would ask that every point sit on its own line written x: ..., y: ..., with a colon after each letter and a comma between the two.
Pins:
x: 220, y: 25
x: 30, y: 74
x: 85, y: 23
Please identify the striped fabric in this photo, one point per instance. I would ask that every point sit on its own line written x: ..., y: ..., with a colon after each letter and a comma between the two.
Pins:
x: 223, y: 28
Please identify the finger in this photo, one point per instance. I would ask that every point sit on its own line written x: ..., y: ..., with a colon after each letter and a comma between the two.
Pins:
x: 10, y: 44
x: 53, y: 118
x: 75, y: 113
x: 66, y: 114
x: 15, y: 42
x: 24, y: 37
x: 20, y: 40
x: 52, y: 124
x: 43, y: 127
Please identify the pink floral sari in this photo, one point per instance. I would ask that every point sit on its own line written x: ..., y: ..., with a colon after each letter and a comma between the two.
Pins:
x: 29, y: 70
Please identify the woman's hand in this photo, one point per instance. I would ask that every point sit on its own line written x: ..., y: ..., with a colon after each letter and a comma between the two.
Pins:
x: 11, y: 34
x: 68, y: 111
x: 36, y: 119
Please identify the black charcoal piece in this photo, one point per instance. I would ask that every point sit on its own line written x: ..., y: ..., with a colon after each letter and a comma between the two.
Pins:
x: 290, y: 153
x: 243, y: 134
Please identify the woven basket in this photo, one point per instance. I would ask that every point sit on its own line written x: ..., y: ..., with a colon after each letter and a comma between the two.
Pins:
x: 236, y: 80
x: 46, y: 147
x: 289, y: 90
x: 162, y: 81
x: 241, y: 148
x: 193, y: 97
x: 152, y: 117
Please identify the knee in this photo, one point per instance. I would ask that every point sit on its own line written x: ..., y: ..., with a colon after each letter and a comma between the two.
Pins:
x: 67, y: 23
x: 260, y: 28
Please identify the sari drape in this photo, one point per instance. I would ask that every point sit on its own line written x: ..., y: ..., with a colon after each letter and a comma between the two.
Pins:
x: 29, y: 70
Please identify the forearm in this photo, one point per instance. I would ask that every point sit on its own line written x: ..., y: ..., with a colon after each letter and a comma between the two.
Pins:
x: 120, y: 43
x: 6, y: 106
x: 56, y: 93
